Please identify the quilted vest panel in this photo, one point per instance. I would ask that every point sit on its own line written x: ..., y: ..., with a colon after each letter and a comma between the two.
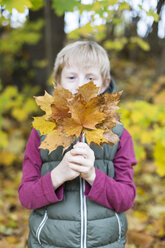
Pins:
x: 59, y: 225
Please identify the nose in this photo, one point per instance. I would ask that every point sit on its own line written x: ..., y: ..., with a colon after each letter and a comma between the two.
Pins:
x: 82, y: 80
x: 81, y: 83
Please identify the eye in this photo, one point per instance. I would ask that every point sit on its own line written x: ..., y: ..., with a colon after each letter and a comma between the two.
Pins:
x: 90, y: 78
x: 71, y: 77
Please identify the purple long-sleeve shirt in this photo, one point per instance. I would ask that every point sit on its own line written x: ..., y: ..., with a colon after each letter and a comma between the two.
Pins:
x: 118, y: 193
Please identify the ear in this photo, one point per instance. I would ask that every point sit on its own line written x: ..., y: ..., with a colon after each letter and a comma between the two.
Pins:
x: 107, y: 81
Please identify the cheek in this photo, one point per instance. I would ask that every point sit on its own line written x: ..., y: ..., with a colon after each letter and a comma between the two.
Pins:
x: 99, y: 83
x: 71, y: 87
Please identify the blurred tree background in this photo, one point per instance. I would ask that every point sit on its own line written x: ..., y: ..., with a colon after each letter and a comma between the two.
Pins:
x: 32, y: 32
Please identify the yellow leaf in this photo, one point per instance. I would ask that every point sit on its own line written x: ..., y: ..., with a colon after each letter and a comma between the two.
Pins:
x: 45, y: 102
x: 95, y: 136
x: 159, y: 158
x: 160, y: 98
x: 44, y: 126
x: 19, y: 114
x: 13, y: 240
x: 7, y: 158
x: 56, y: 138
x: 4, y: 139
x: 20, y: 6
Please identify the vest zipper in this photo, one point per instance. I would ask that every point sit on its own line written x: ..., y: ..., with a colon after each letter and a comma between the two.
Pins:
x: 119, y: 223
x: 41, y: 226
x: 83, y: 214
x: 83, y: 208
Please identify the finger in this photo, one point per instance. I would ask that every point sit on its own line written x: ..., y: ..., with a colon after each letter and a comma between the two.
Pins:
x: 77, y: 168
x: 84, y: 146
x: 78, y: 160
x: 79, y: 151
x: 81, y: 144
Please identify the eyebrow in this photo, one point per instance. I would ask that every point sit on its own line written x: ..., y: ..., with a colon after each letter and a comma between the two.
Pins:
x: 70, y: 72
x: 91, y: 74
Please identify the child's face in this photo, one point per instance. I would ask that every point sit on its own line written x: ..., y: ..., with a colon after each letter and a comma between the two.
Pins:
x: 75, y: 76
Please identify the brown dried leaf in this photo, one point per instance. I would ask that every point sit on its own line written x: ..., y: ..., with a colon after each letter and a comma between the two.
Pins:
x: 71, y: 127
x: 111, y: 137
x: 109, y: 108
x: 88, y: 91
x: 44, y: 102
x: 86, y: 115
x: 60, y: 107
x: 59, y: 113
x: 55, y: 139
x: 84, y: 111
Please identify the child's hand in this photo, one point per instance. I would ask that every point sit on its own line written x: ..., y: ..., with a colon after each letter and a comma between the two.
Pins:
x: 82, y: 161
x: 63, y: 172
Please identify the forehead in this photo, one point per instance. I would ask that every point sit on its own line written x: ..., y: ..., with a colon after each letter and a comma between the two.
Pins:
x: 81, y: 69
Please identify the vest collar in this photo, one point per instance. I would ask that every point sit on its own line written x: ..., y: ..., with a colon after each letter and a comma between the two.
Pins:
x: 111, y: 87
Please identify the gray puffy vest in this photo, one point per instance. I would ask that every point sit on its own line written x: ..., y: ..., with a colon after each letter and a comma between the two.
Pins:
x: 77, y: 221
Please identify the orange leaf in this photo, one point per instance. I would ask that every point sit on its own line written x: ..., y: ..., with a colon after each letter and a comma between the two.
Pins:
x: 61, y: 96
x: 55, y: 139
x: 88, y: 91
x: 85, y: 111
x: 71, y: 127
x: 59, y: 107
x: 87, y: 115
x: 44, y: 102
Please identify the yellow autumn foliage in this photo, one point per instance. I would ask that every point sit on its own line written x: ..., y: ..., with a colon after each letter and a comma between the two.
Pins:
x: 146, y: 123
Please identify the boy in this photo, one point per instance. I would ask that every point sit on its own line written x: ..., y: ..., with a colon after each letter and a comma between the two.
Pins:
x: 79, y: 197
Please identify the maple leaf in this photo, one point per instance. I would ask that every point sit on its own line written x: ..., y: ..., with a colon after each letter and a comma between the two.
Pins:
x: 43, y: 125
x: 85, y: 114
x: 109, y: 108
x: 90, y: 93
x: 56, y: 138
x: 111, y: 137
x: 68, y: 116
x: 70, y: 127
x: 96, y: 136
x: 59, y: 107
x: 45, y: 102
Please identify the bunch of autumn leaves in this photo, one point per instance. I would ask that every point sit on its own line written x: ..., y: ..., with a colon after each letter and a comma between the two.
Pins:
x: 67, y: 116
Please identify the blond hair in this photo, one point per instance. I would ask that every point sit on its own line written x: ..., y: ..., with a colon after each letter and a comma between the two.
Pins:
x: 84, y: 54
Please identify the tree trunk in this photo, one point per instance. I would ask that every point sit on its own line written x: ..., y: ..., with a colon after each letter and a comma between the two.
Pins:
x: 49, y: 45
x: 153, y: 38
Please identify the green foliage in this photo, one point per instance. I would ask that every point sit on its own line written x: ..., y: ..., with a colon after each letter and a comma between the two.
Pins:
x: 17, y: 4
x: 146, y: 123
x: 150, y: 12
x: 37, y: 4
x: 116, y: 44
x: 124, y: 5
x: 61, y: 6
x: 140, y: 42
x: 88, y: 31
x: 11, y: 43
x: 114, y: 21
x: 153, y: 14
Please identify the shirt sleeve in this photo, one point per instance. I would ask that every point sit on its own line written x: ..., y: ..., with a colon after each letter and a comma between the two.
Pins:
x: 116, y: 193
x: 36, y: 191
